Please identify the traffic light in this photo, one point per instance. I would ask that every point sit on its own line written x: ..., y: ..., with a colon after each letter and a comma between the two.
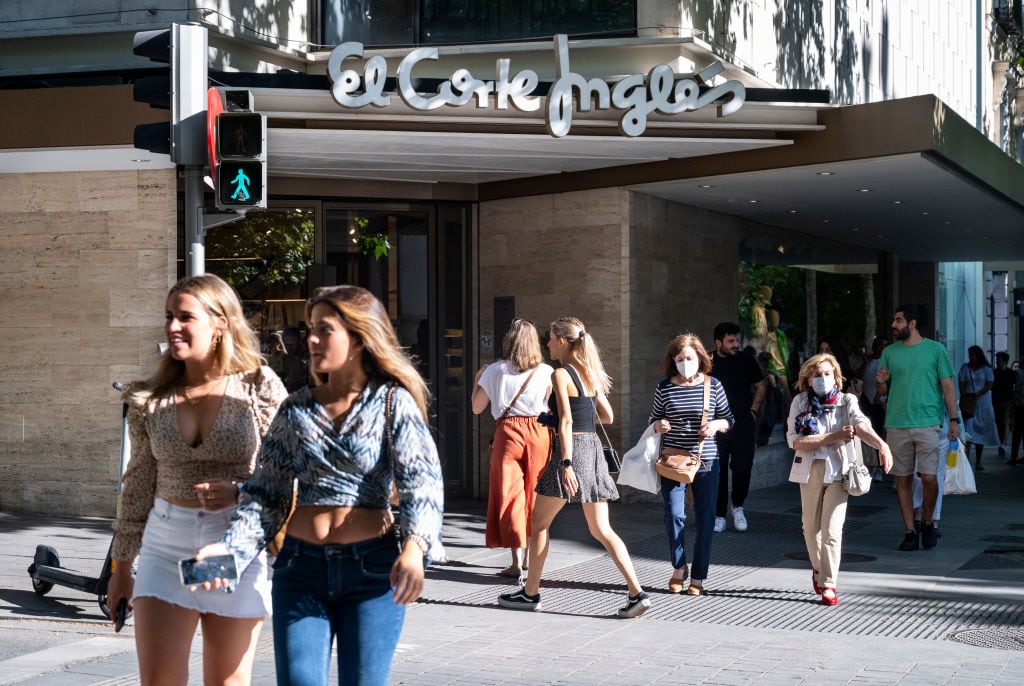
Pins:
x: 182, y: 90
x: 241, y: 156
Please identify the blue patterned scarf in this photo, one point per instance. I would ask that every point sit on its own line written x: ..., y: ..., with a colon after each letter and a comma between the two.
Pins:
x: 806, y: 423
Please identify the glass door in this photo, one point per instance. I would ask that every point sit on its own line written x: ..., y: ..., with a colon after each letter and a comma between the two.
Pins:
x: 412, y: 257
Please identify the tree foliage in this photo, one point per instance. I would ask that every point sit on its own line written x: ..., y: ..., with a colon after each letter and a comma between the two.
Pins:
x: 265, y: 254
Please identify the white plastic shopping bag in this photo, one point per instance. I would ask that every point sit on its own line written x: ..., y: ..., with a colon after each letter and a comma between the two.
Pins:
x: 959, y: 475
x: 637, y: 468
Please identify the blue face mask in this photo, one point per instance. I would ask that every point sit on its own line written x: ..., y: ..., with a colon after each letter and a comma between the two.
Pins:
x: 823, y: 385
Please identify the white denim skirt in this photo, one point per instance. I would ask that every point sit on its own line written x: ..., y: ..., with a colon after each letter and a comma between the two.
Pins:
x: 175, y: 533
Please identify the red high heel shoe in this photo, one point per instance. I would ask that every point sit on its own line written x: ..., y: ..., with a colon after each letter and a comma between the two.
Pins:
x: 829, y: 597
x: 814, y: 581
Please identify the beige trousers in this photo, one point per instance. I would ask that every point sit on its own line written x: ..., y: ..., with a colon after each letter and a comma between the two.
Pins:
x: 824, y: 512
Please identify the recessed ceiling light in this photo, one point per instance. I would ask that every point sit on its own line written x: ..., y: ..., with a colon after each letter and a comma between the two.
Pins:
x: 826, y: 220
x: 897, y: 202
x: 925, y: 212
x: 863, y: 190
x: 879, y: 235
x: 792, y: 211
x: 825, y: 173
x: 753, y: 202
x: 984, y: 238
x: 705, y: 185
x: 854, y: 228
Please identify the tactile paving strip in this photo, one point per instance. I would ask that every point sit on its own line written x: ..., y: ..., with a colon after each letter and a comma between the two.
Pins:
x: 595, y: 588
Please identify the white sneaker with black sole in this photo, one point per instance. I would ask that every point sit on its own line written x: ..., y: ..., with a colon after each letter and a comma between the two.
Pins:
x: 520, y: 600
x: 635, y: 607
x: 739, y: 520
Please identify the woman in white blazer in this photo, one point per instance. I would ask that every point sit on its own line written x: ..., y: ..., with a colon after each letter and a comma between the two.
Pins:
x: 823, y: 422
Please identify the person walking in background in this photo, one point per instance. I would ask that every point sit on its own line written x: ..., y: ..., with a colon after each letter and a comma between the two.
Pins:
x: 341, y: 449
x: 1018, y: 418
x: 676, y: 414
x: 917, y: 376
x: 295, y: 365
x: 195, y: 429
x: 577, y: 471
x: 1004, y: 385
x: 836, y: 347
x: 822, y: 421
x: 516, y: 388
x: 871, y: 403
x: 744, y: 385
x: 976, y: 378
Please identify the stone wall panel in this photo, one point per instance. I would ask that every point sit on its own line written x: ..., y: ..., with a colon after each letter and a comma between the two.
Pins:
x: 88, y: 260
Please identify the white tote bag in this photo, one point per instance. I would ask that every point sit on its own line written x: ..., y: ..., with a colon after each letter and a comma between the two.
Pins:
x: 637, y: 468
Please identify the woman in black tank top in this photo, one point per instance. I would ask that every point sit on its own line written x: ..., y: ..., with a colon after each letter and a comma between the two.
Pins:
x: 577, y: 471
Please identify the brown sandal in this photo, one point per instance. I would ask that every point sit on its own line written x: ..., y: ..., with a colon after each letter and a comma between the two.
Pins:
x: 511, y: 571
x: 675, y: 584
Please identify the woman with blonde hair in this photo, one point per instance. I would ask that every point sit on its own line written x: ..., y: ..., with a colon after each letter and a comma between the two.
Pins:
x: 195, y: 429
x: 822, y: 421
x: 517, y: 389
x: 344, y: 444
x: 577, y: 471
x: 678, y: 414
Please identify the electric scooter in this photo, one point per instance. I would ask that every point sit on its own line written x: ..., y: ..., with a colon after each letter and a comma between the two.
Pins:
x: 45, y: 570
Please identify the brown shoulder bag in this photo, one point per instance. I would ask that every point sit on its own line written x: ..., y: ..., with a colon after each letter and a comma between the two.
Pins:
x: 682, y: 465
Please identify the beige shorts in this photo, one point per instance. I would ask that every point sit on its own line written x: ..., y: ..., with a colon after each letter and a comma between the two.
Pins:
x: 914, y: 450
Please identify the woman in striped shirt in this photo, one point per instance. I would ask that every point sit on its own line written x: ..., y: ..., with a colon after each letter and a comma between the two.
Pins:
x: 677, y: 415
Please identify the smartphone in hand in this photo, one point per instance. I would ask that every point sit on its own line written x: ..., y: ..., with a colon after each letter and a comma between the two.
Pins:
x: 194, y: 572
x: 121, y: 615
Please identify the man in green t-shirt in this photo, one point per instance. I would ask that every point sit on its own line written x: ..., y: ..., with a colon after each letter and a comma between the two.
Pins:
x: 916, y: 374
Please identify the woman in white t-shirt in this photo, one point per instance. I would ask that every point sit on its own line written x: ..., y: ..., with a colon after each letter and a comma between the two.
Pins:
x: 517, y: 388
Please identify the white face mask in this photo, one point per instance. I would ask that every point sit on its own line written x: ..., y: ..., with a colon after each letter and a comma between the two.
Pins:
x: 688, y: 368
x: 823, y: 385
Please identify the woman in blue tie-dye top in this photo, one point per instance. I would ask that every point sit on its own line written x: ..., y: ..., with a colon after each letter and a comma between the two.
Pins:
x: 346, y: 443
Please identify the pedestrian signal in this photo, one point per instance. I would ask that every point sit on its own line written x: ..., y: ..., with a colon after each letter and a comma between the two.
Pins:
x: 241, y: 160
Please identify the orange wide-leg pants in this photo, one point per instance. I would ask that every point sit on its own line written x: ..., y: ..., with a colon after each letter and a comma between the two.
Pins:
x: 520, y: 452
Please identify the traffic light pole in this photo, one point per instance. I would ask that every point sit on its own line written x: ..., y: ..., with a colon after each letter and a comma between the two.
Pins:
x: 197, y: 221
x: 195, y: 232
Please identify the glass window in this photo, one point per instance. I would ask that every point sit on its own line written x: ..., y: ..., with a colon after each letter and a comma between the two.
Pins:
x: 407, y: 22
x: 266, y: 257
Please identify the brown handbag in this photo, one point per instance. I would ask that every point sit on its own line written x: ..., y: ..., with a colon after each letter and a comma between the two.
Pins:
x: 682, y: 465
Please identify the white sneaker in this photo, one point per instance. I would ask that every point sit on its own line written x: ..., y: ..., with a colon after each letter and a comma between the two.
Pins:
x: 719, y: 524
x: 738, y: 520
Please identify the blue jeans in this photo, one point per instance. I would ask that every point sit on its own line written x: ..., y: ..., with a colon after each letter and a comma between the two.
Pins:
x: 323, y: 592
x: 705, y: 496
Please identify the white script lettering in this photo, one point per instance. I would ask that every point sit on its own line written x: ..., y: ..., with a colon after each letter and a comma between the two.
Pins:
x: 637, y: 95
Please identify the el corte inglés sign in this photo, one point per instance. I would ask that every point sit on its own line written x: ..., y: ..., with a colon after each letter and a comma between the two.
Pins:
x: 637, y: 96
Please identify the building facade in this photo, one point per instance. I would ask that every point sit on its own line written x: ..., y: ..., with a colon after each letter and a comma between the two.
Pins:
x: 872, y: 138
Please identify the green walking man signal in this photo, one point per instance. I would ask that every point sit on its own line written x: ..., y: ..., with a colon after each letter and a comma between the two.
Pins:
x: 240, y: 182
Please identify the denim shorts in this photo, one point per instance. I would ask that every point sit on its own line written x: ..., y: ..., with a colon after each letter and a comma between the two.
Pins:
x: 175, y: 533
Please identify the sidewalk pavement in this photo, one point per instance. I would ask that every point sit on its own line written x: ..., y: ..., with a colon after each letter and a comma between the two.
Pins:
x: 950, y: 615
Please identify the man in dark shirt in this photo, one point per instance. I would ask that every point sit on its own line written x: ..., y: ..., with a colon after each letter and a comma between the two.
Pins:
x: 744, y: 385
